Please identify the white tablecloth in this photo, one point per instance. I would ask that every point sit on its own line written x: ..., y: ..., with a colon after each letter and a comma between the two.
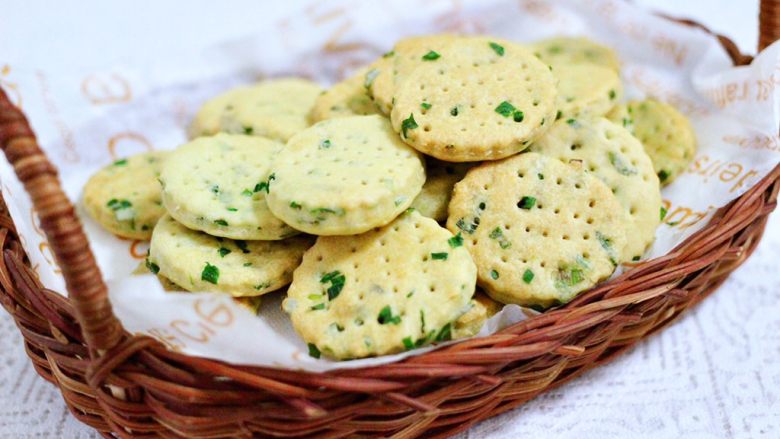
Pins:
x: 713, y: 374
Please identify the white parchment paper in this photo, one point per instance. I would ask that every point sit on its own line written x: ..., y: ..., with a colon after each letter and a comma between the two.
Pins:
x: 90, y: 119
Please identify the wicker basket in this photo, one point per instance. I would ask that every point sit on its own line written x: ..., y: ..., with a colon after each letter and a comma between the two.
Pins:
x: 131, y: 386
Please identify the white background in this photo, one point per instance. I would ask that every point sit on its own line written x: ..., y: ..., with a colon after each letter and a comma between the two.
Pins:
x: 697, y: 379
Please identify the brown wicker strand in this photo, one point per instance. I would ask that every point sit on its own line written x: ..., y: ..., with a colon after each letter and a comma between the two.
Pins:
x: 768, y: 23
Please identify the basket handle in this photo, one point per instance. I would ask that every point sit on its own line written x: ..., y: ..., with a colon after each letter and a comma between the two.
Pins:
x: 83, y: 280
x: 768, y: 23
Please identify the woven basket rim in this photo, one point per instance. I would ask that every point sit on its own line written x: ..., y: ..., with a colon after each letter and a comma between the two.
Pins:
x: 125, y: 384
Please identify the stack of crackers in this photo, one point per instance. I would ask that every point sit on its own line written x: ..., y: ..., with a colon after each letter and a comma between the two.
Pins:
x: 405, y: 205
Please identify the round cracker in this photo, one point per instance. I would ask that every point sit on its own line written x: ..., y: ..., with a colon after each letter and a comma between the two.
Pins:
x: 575, y: 50
x: 219, y: 185
x: 433, y: 199
x: 196, y: 261
x: 481, y: 308
x: 346, y: 98
x: 667, y: 135
x: 124, y: 197
x: 345, y: 176
x: 586, y: 89
x: 612, y: 154
x: 276, y: 109
x: 407, y: 54
x: 482, y: 99
x: 347, y: 299
x: 540, y: 231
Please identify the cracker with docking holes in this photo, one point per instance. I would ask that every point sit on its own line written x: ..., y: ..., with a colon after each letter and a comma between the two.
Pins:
x: 405, y: 56
x: 480, y: 99
x: 586, y: 89
x: 219, y: 185
x: 124, y: 197
x: 276, y: 109
x: 345, y: 176
x: 667, y: 135
x: 196, y: 261
x: 437, y: 190
x: 346, y: 98
x: 481, y: 308
x: 575, y: 50
x: 612, y: 154
x: 388, y: 290
x: 540, y: 231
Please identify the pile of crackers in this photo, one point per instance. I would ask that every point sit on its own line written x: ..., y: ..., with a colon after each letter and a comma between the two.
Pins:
x: 407, y: 204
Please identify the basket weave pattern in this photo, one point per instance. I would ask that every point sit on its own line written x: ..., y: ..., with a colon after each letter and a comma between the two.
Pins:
x: 124, y: 385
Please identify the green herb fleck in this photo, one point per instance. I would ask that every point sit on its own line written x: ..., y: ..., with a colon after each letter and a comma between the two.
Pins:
x: 572, y: 123
x: 223, y: 251
x: 505, y: 109
x: 232, y: 209
x: 325, y: 144
x: 558, y: 115
x: 246, y: 193
x: 210, y: 274
x: 247, y: 264
x: 425, y: 106
x: 265, y: 185
x: 568, y: 276
x: 318, y: 307
x: 439, y: 256
x: 497, y: 48
x: 313, y: 351
x: 370, y: 76
x: 456, y: 241
x: 215, y: 188
x: 408, y: 124
x: 498, y: 235
x: 408, y: 344
x: 336, y: 280
x: 445, y: 334
x: 248, y: 130
x: 469, y: 228
x: 606, y: 244
x: 115, y: 204
x: 386, y: 316
x: 221, y: 222
x: 494, y: 274
x: 518, y: 116
x: 262, y: 286
x: 154, y: 268
x: 388, y: 54
x: 526, y: 202
x: 663, y: 213
x: 620, y: 165
x: 663, y: 175
x: 295, y: 205
x: 122, y: 162
x: 528, y: 276
x: 454, y: 111
x: 541, y: 176
x: 636, y: 258
x: 612, y: 94
x: 431, y: 56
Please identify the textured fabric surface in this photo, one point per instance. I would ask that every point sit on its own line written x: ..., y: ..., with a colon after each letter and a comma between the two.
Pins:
x: 713, y: 374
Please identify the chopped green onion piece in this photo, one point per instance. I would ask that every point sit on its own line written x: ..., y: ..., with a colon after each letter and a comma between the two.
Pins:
x: 527, y: 202
x: 210, y: 273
